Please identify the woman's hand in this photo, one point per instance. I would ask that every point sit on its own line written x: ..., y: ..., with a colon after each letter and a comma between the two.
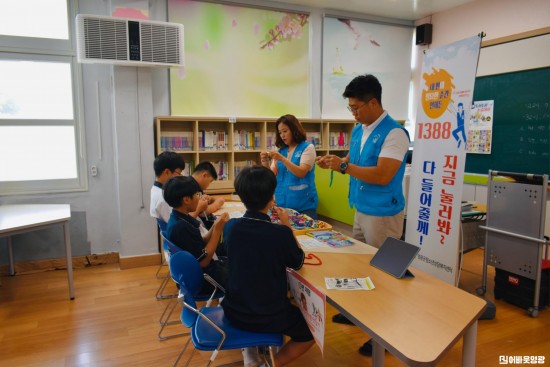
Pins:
x: 276, y: 156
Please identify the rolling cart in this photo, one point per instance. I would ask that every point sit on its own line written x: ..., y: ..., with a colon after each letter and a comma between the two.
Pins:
x: 514, y: 241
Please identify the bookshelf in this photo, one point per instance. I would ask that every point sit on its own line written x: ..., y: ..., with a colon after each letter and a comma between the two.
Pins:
x: 234, y: 143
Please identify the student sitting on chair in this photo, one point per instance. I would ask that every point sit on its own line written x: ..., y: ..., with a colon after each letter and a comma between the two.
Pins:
x: 183, y: 194
x: 258, y: 254
x: 204, y: 173
x: 166, y: 166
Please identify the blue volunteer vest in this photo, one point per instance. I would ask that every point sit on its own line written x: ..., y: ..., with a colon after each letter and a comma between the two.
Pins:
x: 292, y: 192
x: 373, y: 199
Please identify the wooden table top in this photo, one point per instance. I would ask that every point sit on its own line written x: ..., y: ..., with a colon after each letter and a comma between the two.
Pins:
x: 416, y: 319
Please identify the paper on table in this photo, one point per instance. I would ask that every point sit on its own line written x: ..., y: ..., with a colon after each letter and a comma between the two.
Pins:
x: 309, y: 243
x: 349, y: 283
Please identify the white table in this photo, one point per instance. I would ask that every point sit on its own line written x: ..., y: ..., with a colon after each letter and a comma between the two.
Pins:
x: 16, y: 219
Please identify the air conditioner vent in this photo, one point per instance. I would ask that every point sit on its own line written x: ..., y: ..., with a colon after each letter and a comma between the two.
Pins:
x: 130, y: 42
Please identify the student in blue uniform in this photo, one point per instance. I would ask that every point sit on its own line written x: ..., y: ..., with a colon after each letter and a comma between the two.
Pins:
x: 183, y: 195
x: 258, y: 254
x: 294, y: 166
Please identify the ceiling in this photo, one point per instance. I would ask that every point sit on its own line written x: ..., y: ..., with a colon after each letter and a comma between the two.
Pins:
x: 398, y: 9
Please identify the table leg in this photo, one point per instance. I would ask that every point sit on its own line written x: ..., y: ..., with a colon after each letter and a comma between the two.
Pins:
x: 469, y: 346
x: 378, y: 354
x: 68, y: 253
x: 10, y: 256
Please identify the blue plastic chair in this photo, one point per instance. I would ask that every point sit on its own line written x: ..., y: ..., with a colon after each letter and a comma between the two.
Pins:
x: 162, y: 228
x: 218, y: 292
x: 210, y: 329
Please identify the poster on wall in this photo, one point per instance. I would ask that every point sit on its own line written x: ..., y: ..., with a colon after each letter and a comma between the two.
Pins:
x: 352, y: 48
x: 240, y: 61
x: 480, y: 131
x: 435, y: 192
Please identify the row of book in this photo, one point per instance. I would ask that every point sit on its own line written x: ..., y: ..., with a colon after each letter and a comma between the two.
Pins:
x: 246, y: 140
x: 239, y: 165
x: 177, y: 141
x: 242, y: 140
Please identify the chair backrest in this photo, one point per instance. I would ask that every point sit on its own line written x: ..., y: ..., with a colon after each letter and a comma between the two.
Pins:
x: 162, y: 224
x: 187, y: 272
x: 167, y: 245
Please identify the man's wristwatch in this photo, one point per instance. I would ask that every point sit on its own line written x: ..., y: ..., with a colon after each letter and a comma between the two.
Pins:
x: 343, y: 167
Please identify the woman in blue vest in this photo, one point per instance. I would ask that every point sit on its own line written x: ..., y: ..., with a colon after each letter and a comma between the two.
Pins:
x: 294, y: 166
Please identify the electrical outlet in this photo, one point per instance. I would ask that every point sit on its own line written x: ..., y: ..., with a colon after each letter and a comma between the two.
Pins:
x: 93, y: 171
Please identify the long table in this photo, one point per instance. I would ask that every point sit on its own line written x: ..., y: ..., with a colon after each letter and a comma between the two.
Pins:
x: 16, y: 219
x: 417, y: 319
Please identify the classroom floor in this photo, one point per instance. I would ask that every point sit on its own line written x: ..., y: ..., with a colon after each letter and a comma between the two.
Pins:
x: 114, y: 322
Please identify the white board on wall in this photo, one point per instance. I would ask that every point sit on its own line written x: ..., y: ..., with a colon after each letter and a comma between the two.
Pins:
x: 523, y: 54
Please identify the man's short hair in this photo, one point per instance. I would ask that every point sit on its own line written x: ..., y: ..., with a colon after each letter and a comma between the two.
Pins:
x: 364, y: 87
x: 170, y: 160
x: 255, y: 186
x: 206, y: 166
x: 177, y: 188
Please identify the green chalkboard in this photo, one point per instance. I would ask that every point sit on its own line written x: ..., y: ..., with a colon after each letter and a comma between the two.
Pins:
x: 521, y: 122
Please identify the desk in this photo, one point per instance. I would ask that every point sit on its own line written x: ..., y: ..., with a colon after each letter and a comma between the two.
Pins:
x: 417, y: 320
x: 16, y: 219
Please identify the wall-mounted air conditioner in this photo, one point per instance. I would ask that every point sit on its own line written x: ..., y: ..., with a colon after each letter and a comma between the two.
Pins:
x: 130, y: 42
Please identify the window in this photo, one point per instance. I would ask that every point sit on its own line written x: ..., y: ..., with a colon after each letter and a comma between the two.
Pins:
x: 40, y: 129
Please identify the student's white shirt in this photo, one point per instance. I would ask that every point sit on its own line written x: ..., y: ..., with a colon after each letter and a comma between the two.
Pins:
x: 396, y: 144
x: 159, y: 208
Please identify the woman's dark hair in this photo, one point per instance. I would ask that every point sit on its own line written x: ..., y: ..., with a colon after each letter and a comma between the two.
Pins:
x: 298, y: 132
x: 364, y: 87
x: 177, y: 188
x: 255, y: 186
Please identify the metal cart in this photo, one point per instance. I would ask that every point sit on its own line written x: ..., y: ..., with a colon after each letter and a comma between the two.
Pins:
x: 514, y: 241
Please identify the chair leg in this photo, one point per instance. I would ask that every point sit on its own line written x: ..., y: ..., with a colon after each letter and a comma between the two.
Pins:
x: 159, y: 295
x: 165, y: 321
x: 182, y: 352
x: 162, y: 265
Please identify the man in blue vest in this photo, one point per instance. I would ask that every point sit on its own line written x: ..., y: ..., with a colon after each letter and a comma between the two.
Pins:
x: 376, y: 165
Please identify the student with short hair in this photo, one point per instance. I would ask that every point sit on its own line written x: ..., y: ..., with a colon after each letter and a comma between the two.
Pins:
x: 166, y: 165
x: 259, y: 252
x: 183, y: 195
x: 204, y: 173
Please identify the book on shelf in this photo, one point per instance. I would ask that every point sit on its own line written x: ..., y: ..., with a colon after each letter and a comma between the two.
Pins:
x: 222, y: 168
x: 338, y: 139
x: 314, y: 137
x: 271, y: 138
x: 246, y: 140
x: 212, y: 140
x: 332, y: 238
x: 176, y: 141
x: 239, y: 165
x: 189, y: 168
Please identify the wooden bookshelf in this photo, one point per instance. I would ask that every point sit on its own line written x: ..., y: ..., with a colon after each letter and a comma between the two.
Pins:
x: 237, y: 142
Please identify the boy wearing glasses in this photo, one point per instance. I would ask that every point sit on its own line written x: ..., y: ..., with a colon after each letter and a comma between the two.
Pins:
x: 376, y: 165
x: 183, y: 194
